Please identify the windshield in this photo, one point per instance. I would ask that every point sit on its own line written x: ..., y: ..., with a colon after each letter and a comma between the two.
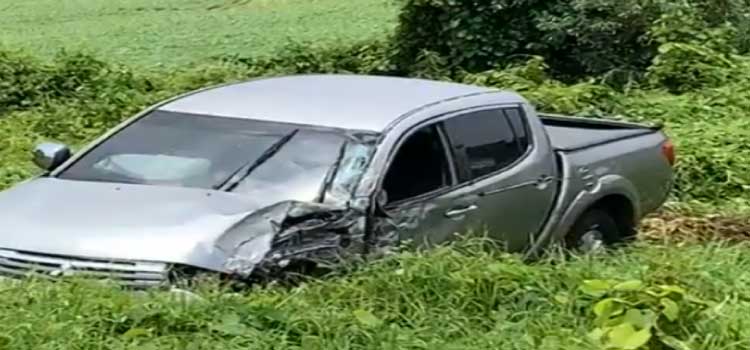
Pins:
x: 177, y: 149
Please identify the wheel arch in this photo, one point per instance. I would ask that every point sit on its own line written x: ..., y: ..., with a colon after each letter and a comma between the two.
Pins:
x: 622, y: 210
x: 612, y: 192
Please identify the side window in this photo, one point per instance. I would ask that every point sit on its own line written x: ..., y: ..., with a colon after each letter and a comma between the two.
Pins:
x: 518, y: 123
x: 420, y: 166
x: 484, y: 141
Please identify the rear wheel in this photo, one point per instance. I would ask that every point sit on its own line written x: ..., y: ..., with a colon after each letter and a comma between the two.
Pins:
x: 593, y: 232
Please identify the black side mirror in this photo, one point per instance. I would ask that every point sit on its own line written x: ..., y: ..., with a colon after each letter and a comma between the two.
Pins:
x: 49, y: 156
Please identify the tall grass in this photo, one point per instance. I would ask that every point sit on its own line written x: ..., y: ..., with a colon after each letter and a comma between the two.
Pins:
x: 461, y: 297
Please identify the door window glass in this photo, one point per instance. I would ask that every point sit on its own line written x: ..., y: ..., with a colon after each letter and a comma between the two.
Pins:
x: 420, y: 166
x: 484, y: 140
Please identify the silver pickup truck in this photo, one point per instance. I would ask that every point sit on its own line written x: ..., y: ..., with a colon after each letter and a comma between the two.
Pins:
x: 270, y: 175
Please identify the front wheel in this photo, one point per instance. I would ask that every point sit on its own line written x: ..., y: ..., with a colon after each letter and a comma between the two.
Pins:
x: 593, y: 232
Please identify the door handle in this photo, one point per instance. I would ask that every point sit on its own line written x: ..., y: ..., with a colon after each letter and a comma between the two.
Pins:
x: 543, y: 181
x: 461, y: 211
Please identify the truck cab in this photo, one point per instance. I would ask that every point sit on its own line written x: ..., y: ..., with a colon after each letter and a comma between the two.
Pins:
x: 489, y: 164
x: 471, y: 164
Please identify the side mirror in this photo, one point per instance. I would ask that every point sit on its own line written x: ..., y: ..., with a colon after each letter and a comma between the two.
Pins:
x: 49, y: 156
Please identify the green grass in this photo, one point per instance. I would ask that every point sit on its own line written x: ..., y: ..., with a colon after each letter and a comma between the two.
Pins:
x: 458, y: 298
x: 172, y: 32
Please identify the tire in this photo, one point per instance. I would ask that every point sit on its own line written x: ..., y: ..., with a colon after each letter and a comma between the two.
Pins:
x: 594, y: 231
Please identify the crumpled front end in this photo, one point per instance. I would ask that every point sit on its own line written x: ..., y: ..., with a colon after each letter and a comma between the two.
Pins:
x: 293, y: 232
x: 147, y: 234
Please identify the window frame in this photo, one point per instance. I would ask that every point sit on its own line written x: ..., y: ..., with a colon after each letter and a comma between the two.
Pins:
x: 447, y: 152
x: 460, y: 157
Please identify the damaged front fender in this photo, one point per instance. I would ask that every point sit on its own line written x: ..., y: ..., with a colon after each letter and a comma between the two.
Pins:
x: 335, y: 228
x: 271, y: 239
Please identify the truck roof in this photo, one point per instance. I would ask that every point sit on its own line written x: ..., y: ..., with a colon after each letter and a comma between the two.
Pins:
x: 356, y: 102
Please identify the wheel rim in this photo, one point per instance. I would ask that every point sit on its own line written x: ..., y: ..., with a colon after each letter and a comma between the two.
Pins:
x: 592, y: 240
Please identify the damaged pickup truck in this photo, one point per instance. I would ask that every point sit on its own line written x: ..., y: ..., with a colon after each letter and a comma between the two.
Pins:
x: 257, y: 177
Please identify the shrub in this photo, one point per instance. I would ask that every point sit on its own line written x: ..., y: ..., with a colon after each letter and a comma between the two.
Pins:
x: 690, y: 57
x: 577, y: 38
x: 300, y: 58
x: 26, y: 82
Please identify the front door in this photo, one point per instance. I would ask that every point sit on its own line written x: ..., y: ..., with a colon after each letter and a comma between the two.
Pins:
x: 419, y: 186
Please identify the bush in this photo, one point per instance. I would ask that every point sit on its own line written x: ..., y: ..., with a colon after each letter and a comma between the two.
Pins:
x: 691, y: 57
x: 25, y: 82
x: 577, y: 38
x: 299, y: 58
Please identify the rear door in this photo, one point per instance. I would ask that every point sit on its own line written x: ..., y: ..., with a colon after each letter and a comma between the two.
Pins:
x: 498, y: 164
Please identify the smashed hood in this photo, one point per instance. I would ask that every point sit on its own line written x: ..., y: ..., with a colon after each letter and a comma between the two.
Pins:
x: 136, y: 222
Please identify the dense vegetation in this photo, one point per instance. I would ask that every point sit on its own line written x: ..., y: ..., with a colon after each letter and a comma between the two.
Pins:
x: 681, y: 63
x: 619, y: 38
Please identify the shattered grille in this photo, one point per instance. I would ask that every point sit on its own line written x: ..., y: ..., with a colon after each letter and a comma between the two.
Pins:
x: 137, y: 274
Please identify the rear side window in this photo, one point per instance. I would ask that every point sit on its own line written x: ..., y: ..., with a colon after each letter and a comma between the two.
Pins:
x: 518, y: 123
x: 485, y: 141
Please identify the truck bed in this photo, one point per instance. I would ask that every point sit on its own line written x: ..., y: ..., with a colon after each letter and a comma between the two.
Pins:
x: 571, y: 133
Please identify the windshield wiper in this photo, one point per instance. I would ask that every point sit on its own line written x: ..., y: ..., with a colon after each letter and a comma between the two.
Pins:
x: 233, y: 180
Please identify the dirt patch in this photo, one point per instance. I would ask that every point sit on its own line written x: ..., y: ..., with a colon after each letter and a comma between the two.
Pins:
x: 680, y: 227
